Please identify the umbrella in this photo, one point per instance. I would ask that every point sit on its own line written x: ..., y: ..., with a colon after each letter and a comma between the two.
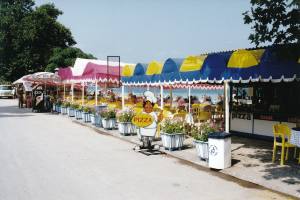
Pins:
x: 44, y: 77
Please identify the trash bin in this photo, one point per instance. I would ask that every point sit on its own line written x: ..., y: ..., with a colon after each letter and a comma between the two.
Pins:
x: 219, y: 145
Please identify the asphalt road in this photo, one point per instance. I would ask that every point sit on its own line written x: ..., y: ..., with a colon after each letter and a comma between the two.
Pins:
x: 47, y: 157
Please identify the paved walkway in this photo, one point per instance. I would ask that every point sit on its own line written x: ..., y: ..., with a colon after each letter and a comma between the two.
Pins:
x: 47, y: 157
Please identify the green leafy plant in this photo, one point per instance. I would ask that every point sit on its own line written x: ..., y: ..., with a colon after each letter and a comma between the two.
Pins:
x: 86, y: 109
x: 75, y: 106
x: 125, y: 116
x: 201, y: 133
x: 108, y: 114
x: 66, y: 104
x: 93, y: 111
x: 172, y: 126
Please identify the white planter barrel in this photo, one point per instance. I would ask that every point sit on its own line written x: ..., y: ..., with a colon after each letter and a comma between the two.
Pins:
x: 54, y: 107
x: 63, y: 110
x: 78, y: 114
x: 202, y: 149
x: 86, y: 117
x: 172, y: 141
x: 93, y: 119
x: 71, y: 112
x: 126, y: 128
x: 109, y: 123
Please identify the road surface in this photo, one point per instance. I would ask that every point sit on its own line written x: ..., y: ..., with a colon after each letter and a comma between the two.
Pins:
x: 48, y: 157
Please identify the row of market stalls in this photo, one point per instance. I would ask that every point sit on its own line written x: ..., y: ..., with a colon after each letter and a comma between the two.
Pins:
x: 260, y: 85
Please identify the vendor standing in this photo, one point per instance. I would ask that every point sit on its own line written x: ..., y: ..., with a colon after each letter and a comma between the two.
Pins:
x: 20, y: 93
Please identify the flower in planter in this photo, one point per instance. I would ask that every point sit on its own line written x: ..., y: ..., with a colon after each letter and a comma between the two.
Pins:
x: 66, y: 104
x: 108, y: 114
x: 125, y: 116
x: 172, y: 126
x: 201, y: 132
x: 86, y: 109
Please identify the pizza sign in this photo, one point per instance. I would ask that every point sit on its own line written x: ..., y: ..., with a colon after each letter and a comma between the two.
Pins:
x: 142, y: 120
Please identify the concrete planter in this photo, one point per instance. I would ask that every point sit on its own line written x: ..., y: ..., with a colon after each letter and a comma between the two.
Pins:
x: 172, y: 141
x: 86, y: 117
x: 202, y: 149
x: 78, y: 114
x: 71, y: 112
x: 109, y: 123
x: 126, y: 128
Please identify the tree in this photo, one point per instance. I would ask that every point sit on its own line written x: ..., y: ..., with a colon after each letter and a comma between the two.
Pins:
x: 274, y: 21
x: 28, y: 36
x: 64, y: 57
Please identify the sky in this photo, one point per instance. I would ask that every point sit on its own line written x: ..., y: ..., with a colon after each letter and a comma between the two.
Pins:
x: 146, y: 30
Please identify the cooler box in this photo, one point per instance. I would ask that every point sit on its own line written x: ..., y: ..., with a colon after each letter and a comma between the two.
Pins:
x: 219, y: 145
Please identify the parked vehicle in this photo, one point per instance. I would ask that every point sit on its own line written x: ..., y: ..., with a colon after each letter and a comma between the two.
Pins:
x: 6, y: 91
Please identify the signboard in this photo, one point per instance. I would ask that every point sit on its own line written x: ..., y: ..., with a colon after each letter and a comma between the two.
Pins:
x: 142, y: 120
x: 38, y: 98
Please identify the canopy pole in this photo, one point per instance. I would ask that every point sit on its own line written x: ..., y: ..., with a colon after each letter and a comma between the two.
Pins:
x: 123, y: 97
x: 189, y: 93
x: 148, y: 87
x: 64, y: 91
x: 161, y: 97
x: 171, y: 96
x: 96, y: 92
x: 57, y: 87
x: 226, y: 103
x: 82, y: 96
x: 72, y: 91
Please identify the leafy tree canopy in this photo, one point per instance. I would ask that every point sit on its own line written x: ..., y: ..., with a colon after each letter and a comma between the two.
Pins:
x: 28, y: 37
x: 274, y: 21
x: 64, y: 57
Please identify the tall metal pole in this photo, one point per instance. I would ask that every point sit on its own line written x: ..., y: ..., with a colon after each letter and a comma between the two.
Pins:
x: 82, y: 97
x: 189, y: 93
x: 123, y: 97
x: 226, y: 102
x: 96, y: 92
x: 161, y: 97
x: 64, y: 91
x: 72, y: 91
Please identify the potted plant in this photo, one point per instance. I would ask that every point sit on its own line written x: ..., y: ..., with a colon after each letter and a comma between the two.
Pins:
x: 58, y: 106
x: 200, y: 135
x: 172, y: 135
x: 108, y: 119
x: 71, y: 110
x: 95, y: 117
x: 64, y: 107
x: 78, y: 112
x: 124, y: 122
x: 86, y: 114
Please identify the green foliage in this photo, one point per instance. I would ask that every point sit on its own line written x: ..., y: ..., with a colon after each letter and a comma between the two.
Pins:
x: 126, y: 116
x: 66, y: 104
x: 172, y: 126
x: 64, y: 57
x: 108, y: 114
x: 86, y: 109
x: 275, y: 21
x: 201, y: 133
x: 75, y: 106
x: 28, y: 37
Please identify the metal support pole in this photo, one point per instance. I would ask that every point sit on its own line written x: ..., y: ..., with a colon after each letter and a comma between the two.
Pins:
x: 189, y: 93
x: 123, y: 97
x: 161, y: 97
x: 226, y: 103
x: 72, y: 91
x: 148, y: 87
x: 96, y: 92
x: 64, y: 91
x: 82, y: 97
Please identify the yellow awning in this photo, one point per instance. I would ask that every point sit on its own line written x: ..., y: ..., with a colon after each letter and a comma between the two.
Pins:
x: 128, y: 70
x: 154, y: 67
x: 192, y: 63
x: 245, y: 58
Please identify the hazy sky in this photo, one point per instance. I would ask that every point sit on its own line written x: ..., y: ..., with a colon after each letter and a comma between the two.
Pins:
x: 145, y: 30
